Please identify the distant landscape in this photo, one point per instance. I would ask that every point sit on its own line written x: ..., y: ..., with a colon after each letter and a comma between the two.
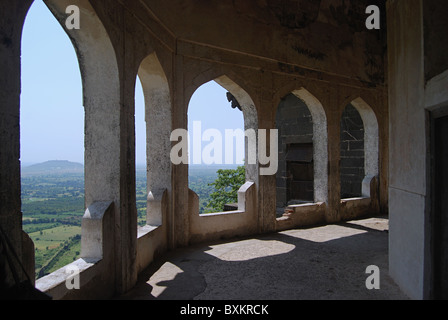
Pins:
x: 53, y: 207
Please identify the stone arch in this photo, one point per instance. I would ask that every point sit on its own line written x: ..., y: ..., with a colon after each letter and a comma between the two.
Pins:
x: 250, y: 115
x: 371, y: 143
x: 101, y: 95
x: 250, y: 121
x: 105, y: 149
x: 102, y: 152
x: 58, y: 122
x: 320, y: 143
x: 158, y: 130
x: 371, y: 136
x: 352, y: 153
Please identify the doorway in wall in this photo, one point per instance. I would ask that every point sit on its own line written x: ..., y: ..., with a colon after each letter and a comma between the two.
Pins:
x: 295, y: 177
x: 439, y: 153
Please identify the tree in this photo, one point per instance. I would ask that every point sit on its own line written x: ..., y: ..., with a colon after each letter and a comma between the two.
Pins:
x: 226, y: 188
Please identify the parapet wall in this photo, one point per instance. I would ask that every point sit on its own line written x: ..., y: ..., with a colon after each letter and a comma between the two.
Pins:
x: 225, y: 225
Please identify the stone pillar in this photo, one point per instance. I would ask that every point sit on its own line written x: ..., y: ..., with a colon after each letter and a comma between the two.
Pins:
x: 334, y: 187
x: 178, y: 224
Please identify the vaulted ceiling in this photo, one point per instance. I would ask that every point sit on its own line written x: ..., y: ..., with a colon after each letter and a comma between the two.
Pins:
x: 324, y: 35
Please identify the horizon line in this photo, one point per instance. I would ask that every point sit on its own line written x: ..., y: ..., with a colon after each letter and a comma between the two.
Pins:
x: 31, y: 163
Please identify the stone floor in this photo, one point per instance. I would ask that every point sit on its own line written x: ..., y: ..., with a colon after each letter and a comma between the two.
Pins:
x: 322, y: 263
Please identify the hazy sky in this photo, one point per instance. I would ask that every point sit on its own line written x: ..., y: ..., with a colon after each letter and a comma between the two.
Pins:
x: 52, y: 113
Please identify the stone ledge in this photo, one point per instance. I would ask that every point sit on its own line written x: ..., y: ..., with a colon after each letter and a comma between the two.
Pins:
x: 302, y: 215
x: 55, y: 284
x: 96, y: 256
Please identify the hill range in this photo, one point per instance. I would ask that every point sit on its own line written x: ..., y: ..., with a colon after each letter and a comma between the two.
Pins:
x: 53, y: 167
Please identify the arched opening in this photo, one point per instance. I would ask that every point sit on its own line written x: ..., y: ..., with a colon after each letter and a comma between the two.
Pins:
x: 216, y: 129
x: 303, y: 153
x: 140, y: 154
x: 155, y: 110
x: 219, y: 115
x: 295, y: 177
x: 101, y: 102
x: 52, y: 141
x: 352, y: 170
x: 359, y: 149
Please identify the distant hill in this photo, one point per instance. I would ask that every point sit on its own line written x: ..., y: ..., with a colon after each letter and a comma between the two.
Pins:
x: 53, y: 167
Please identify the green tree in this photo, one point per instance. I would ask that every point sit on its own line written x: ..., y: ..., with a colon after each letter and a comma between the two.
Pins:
x: 226, y: 188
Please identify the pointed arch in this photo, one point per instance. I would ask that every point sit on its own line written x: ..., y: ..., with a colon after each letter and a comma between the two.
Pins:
x: 359, y: 149
x: 371, y: 136
x: 320, y: 143
x: 250, y: 121
x: 158, y: 130
x: 105, y: 148
x: 250, y: 115
x: 51, y: 121
x: 101, y: 95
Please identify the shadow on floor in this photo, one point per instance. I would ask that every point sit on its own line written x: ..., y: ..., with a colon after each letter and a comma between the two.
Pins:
x: 322, y: 263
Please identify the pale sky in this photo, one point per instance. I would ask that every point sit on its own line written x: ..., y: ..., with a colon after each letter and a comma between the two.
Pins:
x: 52, y: 113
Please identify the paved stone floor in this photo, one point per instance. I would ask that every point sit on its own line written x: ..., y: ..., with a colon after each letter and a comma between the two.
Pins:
x: 322, y: 263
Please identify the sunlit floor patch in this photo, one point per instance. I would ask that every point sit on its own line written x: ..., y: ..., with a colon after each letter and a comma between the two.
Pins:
x: 249, y: 249
x: 324, y: 234
x: 168, y: 272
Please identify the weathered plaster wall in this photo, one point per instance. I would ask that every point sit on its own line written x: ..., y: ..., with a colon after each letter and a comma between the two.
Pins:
x: 407, y: 177
x: 417, y: 84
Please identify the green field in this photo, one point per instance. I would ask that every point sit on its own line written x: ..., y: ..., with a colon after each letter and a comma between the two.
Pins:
x: 53, y: 237
x: 53, y: 207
